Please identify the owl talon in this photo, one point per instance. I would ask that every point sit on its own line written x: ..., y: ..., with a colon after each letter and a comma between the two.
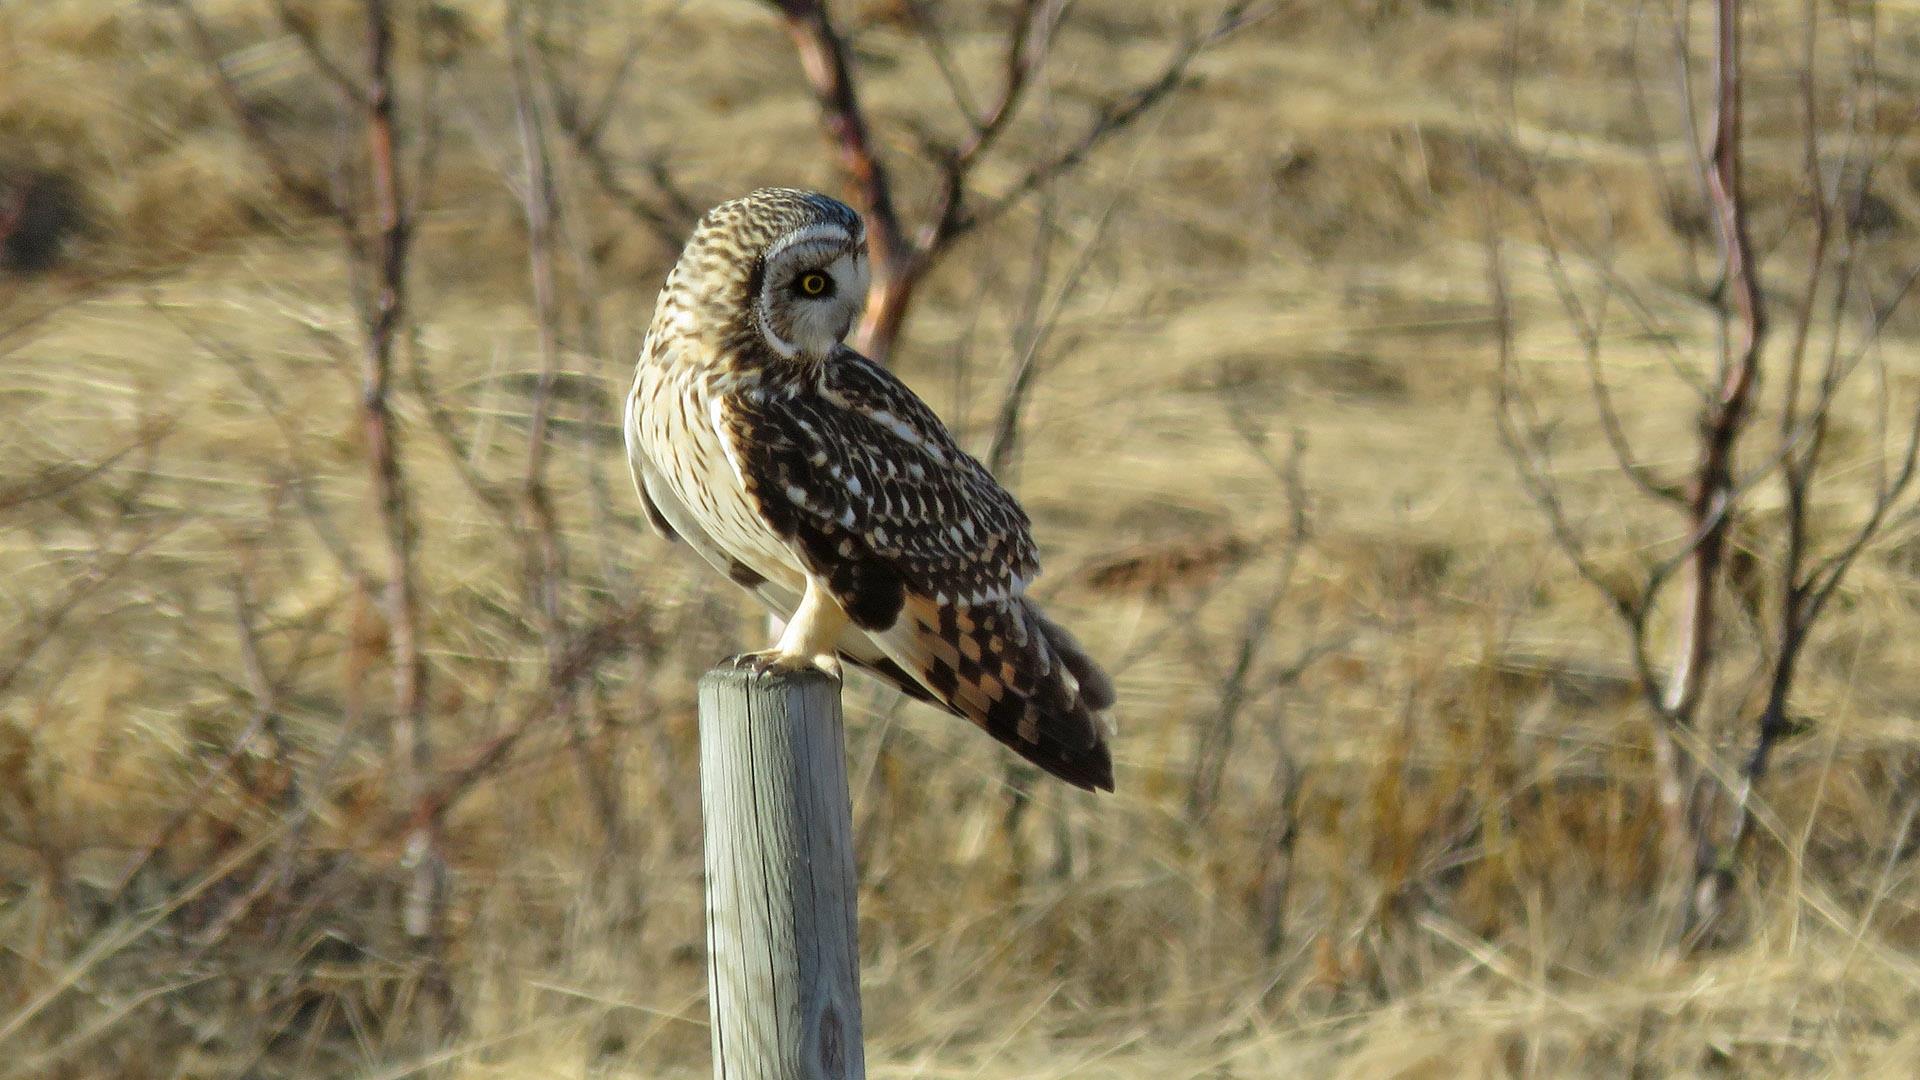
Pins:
x: 757, y: 662
x: 773, y: 661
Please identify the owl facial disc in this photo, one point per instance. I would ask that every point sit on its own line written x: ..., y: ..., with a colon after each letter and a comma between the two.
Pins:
x: 812, y: 289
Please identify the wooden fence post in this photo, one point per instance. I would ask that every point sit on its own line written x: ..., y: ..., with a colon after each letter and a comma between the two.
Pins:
x: 783, y: 969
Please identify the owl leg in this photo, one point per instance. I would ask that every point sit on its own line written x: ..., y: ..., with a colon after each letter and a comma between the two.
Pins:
x: 808, y: 640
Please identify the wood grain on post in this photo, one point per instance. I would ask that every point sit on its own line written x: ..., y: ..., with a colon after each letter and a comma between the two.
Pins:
x: 783, y: 971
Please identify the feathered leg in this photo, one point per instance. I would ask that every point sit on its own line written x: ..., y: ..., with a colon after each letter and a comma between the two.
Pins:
x: 808, y: 640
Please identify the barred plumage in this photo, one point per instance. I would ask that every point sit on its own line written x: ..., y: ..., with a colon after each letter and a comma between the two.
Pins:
x: 816, y: 479
x: 856, y: 456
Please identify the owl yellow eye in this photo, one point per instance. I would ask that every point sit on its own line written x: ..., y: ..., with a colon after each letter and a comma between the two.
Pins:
x: 814, y: 283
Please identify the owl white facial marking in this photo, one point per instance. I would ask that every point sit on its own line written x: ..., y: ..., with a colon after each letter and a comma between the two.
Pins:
x: 826, y: 233
x: 813, y: 286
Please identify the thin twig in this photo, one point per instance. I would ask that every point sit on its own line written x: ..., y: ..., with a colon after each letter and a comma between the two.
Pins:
x: 304, y: 190
x: 899, y: 262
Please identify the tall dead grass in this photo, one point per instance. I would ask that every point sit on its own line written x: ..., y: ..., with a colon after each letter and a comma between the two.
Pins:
x: 1434, y: 844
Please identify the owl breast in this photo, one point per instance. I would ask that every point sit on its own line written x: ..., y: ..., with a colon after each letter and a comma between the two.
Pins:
x: 677, y: 423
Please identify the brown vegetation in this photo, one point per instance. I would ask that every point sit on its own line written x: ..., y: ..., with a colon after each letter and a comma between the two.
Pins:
x: 346, y: 706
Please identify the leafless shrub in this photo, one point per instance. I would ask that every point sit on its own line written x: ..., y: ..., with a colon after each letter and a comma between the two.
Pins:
x: 375, y: 192
x: 1767, y: 410
x: 1386, y: 796
x: 901, y: 254
x: 375, y: 184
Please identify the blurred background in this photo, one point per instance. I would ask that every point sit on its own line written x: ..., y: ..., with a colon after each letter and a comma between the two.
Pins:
x: 1516, y: 655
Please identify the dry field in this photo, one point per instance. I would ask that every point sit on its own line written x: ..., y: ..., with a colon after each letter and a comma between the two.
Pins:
x: 1387, y: 793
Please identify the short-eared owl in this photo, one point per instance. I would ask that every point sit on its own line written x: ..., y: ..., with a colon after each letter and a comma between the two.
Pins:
x: 818, y: 481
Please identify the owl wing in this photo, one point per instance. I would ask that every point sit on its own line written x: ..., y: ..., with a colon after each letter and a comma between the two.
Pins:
x: 642, y: 476
x: 928, y: 555
x: 868, y: 485
x: 644, y: 473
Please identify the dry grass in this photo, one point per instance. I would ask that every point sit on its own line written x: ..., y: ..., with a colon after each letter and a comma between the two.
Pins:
x: 1293, y: 246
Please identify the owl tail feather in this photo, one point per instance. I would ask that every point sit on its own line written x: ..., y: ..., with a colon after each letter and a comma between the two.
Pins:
x: 1011, y: 670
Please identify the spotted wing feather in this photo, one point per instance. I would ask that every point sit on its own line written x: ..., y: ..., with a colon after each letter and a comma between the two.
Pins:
x: 931, y: 558
x: 1018, y: 675
x: 870, y: 487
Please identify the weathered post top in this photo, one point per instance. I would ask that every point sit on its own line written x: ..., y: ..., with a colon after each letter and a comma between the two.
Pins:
x: 783, y: 966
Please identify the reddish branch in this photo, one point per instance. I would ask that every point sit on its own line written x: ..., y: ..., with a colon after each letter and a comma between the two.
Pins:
x: 384, y: 316
x: 386, y: 312
x: 1675, y: 696
x: 387, y: 220
x: 388, y: 308
x: 376, y: 220
x: 900, y: 262
x: 1727, y: 411
x: 823, y: 54
x: 1725, y: 419
x: 1708, y: 807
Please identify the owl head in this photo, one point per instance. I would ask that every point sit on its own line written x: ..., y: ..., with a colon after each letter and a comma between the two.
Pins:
x: 785, y: 267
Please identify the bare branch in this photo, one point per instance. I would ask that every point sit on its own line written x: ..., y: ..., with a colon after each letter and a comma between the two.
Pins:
x: 1213, y: 748
x: 670, y: 223
x: 1033, y: 23
x: 823, y: 55
x: 56, y: 479
x: 300, y: 25
x: 538, y: 204
x: 898, y: 262
x: 1726, y: 416
x: 45, y: 625
x: 384, y: 317
x: 582, y: 654
x: 1032, y: 339
x: 275, y: 157
x: 1118, y: 115
x: 1518, y: 427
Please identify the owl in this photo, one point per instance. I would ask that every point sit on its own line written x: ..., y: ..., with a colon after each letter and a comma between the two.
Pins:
x: 820, y: 483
